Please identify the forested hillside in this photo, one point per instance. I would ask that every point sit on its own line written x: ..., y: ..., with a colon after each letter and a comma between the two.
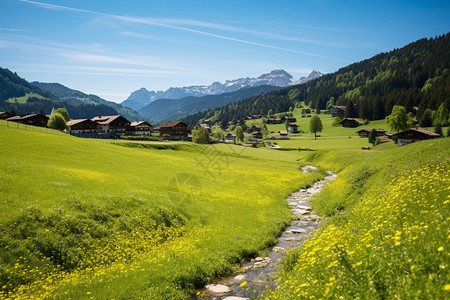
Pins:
x: 18, y: 96
x: 415, y: 75
x: 79, y: 98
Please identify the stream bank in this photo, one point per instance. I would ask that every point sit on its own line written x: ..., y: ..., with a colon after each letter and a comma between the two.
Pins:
x: 258, y: 273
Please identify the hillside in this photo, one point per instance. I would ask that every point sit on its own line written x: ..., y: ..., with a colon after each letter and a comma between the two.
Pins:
x: 75, y: 97
x: 171, y: 109
x: 21, y: 97
x: 276, y: 78
x: 415, y: 75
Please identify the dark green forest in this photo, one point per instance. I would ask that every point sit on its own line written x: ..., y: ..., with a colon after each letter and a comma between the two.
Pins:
x: 415, y: 75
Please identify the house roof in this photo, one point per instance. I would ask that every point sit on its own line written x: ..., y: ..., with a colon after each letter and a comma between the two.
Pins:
x: 137, y: 123
x: 105, y: 120
x: 338, y: 106
x: 350, y: 119
x: 422, y: 131
x: 15, y: 118
x: 369, y: 130
x: 77, y: 121
x: 293, y: 125
x: 206, y: 126
x: 282, y: 132
x: 170, y: 124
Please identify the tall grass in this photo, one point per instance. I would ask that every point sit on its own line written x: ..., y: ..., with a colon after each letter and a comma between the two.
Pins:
x: 387, y: 234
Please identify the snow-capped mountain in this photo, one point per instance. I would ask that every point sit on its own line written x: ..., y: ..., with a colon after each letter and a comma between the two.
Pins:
x: 280, y: 78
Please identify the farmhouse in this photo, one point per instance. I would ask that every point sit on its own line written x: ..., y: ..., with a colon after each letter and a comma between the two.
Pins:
x: 254, y: 128
x: 173, y: 131
x: 206, y: 126
x: 34, y: 120
x: 230, y: 137
x: 336, y: 110
x: 290, y: 119
x: 293, y: 128
x: 257, y: 135
x: 83, y: 128
x: 365, y: 132
x: 350, y: 122
x: 413, y: 135
x: 283, y: 133
x: 5, y: 115
x: 274, y: 121
x: 111, y: 126
x: 139, y: 128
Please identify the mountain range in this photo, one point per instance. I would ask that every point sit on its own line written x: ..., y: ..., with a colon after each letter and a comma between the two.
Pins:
x: 277, y: 78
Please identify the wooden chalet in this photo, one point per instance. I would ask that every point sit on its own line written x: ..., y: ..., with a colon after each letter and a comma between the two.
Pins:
x: 336, y: 110
x: 283, y: 133
x: 139, y: 128
x: 350, y: 122
x: 5, y: 115
x: 83, y: 128
x: 413, y: 135
x: 33, y: 120
x: 257, y: 135
x: 293, y: 128
x: 206, y: 126
x: 111, y: 126
x: 230, y: 137
x: 366, y: 132
x: 173, y: 131
x: 274, y: 121
x: 290, y: 119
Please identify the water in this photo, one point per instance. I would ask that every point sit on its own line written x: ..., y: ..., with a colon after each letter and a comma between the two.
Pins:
x: 259, y: 271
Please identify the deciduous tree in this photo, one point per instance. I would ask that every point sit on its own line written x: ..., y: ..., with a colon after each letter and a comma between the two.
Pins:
x: 57, y: 121
x: 315, y: 125
x: 398, y: 119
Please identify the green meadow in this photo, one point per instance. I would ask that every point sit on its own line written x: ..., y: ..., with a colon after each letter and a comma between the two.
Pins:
x: 98, y: 219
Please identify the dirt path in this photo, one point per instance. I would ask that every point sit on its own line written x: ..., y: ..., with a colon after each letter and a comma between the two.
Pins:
x: 258, y: 274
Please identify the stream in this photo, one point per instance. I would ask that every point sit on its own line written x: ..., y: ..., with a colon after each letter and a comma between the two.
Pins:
x: 258, y: 275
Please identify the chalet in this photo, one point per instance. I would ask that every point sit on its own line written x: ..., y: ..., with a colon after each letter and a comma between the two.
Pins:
x: 350, y: 122
x: 274, y: 121
x: 336, y: 110
x: 5, y: 115
x: 283, y: 133
x: 174, y: 131
x: 290, y: 119
x: 139, y: 128
x: 257, y: 135
x: 307, y: 111
x: 83, y: 128
x: 365, y: 132
x: 34, y: 120
x: 206, y: 126
x: 111, y: 126
x: 385, y: 139
x: 230, y: 137
x: 293, y: 128
x: 413, y: 135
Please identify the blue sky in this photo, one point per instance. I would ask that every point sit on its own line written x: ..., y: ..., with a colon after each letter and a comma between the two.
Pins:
x: 111, y: 48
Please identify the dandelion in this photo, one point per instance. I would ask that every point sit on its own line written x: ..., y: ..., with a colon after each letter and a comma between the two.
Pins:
x: 441, y: 248
x: 243, y: 284
x: 447, y: 287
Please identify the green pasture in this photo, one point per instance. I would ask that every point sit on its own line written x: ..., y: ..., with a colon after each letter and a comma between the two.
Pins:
x: 24, y: 99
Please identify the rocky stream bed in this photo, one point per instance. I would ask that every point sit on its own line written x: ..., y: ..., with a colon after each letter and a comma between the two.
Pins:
x: 258, y: 273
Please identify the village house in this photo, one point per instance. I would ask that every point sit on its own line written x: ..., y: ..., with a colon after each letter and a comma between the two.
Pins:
x: 111, y: 126
x: 139, y: 128
x: 365, y: 132
x: 5, y: 115
x: 350, y: 122
x: 293, y: 128
x: 336, y: 110
x: 83, y: 128
x: 290, y: 119
x: 173, y: 131
x: 413, y: 135
x: 274, y: 121
x: 34, y: 120
x: 230, y: 137
x: 283, y: 133
x: 206, y: 126
x: 254, y: 128
x: 257, y: 135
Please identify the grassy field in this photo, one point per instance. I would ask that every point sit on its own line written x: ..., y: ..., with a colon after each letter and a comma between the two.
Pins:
x: 24, y: 99
x: 82, y: 218
x: 99, y: 219
x: 387, y: 229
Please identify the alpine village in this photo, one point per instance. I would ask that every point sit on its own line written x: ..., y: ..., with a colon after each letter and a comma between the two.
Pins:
x: 331, y: 186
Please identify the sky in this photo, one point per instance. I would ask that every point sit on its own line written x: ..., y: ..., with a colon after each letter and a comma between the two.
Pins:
x: 112, y: 48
